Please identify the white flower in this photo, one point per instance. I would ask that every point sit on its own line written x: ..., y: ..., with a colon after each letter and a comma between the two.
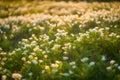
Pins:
x: 84, y: 59
x: 23, y: 58
x: 103, y: 58
x: 47, y: 67
x: 66, y: 74
x: 30, y: 57
x: 28, y: 62
x: 43, y: 71
x: 58, y: 62
x: 54, y: 65
x: 116, y: 65
x: 30, y: 74
x: 118, y: 36
x: 65, y: 58
x: 24, y: 79
x: 56, y: 46
x: 74, y: 66
x: 119, y: 67
x: 109, y: 68
x: 70, y: 72
x: 91, y: 64
x: 45, y: 56
x: 34, y: 62
x: 40, y: 61
x: 36, y: 48
x: 72, y: 63
x: 112, y: 61
x: 16, y: 76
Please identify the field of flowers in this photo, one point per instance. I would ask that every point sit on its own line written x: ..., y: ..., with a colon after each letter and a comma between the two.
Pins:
x: 59, y: 40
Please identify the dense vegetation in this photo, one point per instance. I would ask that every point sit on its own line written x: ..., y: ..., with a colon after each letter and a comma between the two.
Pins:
x: 59, y: 40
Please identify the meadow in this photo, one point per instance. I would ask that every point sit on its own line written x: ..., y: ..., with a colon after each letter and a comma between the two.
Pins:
x: 48, y: 40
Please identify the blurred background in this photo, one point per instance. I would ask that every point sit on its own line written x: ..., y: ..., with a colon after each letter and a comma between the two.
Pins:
x: 65, y: 0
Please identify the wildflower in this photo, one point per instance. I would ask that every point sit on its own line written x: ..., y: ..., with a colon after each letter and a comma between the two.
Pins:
x: 65, y: 58
x: 5, y: 70
x: 23, y: 58
x: 56, y: 46
x: 73, y: 47
x: 28, y: 62
x: 47, y: 67
x: 91, y: 64
x: 16, y: 76
x: 112, y: 61
x: 24, y: 79
x: 74, y: 66
x: 116, y: 65
x: 34, y: 62
x: 72, y: 63
x: 119, y: 67
x: 36, y: 48
x: 66, y: 74
x: 35, y: 58
x: 33, y: 53
x: 65, y: 52
x: 40, y: 61
x: 30, y: 56
x: 103, y: 58
x: 118, y: 36
x: 43, y: 71
x: 4, y: 77
x: 58, y: 62
x: 84, y: 59
x: 30, y: 74
x: 109, y: 68
x: 70, y: 72
x: 45, y: 56
x: 54, y: 65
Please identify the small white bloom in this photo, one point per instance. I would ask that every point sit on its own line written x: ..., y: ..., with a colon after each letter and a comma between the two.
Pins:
x: 116, y: 65
x: 112, y: 61
x: 119, y: 67
x: 47, y: 67
x: 65, y: 58
x: 34, y: 62
x: 40, y: 61
x: 109, y: 68
x: 72, y: 63
x: 103, y: 58
x: 45, y: 56
x: 58, y: 62
x: 71, y: 72
x: 43, y: 71
x: 84, y: 59
x: 91, y: 64
x: 54, y: 65
x: 74, y: 66
x: 66, y: 74
x: 30, y: 74
x: 16, y: 76
x: 28, y: 62
x: 23, y: 58
x: 24, y: 79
